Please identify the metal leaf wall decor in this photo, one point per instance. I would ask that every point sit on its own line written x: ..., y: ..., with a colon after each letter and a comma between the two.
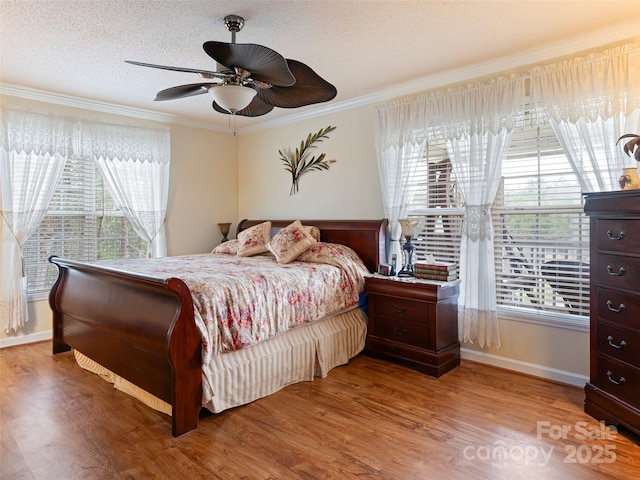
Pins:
x: 300, y: 161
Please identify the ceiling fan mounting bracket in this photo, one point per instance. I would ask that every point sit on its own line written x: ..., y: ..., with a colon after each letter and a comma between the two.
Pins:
x: 234, y: 24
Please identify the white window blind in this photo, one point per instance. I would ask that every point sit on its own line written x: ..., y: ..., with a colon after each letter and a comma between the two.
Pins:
x: 438, y: 202
x: 82, y: 224
x: 541, y: 233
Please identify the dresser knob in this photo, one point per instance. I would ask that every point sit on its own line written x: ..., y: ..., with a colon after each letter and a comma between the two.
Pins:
x: 622, y: 344
x: 399, y: 310
x: 400, y: 331
x: 620, y: 381
x: 620, y: 236
x: 615, y: 274
x: 617, y: 310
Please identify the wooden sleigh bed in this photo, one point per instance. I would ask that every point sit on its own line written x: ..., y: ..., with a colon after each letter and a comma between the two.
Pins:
x: 142, y: 328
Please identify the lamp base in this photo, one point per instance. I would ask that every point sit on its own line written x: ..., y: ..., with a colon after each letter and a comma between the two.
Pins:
x: 407, y: 252
x: 407, y: 271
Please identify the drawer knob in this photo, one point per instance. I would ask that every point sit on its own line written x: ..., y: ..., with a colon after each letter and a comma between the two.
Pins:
x: 622, y: 344
x: 613, y: 309
x: 620, y: 381
x: 615, y: 274
x: 399, y: 310
x: 620, y: 236
x: 400, y: 331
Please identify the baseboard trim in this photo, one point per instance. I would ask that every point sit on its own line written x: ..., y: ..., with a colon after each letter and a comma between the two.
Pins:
x: 561, y: 376
x: 24, y: 339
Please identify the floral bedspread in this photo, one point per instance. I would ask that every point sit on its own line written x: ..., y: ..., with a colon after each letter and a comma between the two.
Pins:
x: 239, y: 301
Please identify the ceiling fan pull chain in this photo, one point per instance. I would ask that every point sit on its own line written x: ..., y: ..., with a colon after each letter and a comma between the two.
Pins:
x: 233, y: 115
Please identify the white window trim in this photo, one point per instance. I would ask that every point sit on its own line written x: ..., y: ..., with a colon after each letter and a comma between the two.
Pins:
x: 548, y: 319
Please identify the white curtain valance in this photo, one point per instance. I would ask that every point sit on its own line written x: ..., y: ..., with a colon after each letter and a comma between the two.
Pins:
x: 599, y: 85
x: 492, y: 106
x: 35, y: 133
x: 126, y: 143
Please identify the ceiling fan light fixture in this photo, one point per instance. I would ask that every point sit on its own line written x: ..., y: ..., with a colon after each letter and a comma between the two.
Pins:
x: 232, y: 98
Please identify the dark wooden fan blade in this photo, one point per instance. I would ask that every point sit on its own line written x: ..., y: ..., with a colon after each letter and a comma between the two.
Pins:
x: 182, y: 91
x: 264, y: 64
x: 256, y: 108
x: 309, y: 88
x: 205, y: 73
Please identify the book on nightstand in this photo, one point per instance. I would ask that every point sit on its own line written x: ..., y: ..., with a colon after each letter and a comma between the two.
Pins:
x: 435, y: 271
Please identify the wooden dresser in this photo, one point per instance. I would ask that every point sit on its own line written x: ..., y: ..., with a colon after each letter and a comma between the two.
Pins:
x: 414, y: 322
x: 613, y: 392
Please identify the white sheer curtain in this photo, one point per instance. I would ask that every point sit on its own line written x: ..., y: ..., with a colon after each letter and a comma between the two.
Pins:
x: 399, y: 148
x: 33, y: 153
x: 477, y: 122
x: 477, y: 164
x: 590, y: 102
x: 134, y: 163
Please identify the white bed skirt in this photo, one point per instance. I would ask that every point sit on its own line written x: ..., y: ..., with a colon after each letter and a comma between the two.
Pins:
x: 242, y: 376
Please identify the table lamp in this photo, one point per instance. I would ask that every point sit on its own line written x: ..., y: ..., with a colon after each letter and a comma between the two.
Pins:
x: 409, y: 226
x: 224, y: 230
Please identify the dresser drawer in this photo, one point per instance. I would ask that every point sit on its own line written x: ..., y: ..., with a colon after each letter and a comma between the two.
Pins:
x: 618, y: 235
x: 619, y: 343
x: 619, y: 272
x: 619, y: 379
x: 618, y: 308
x: 399, y: 308
x: 402, y: 331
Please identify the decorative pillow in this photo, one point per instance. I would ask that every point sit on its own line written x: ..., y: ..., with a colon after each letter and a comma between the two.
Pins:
x: 314, y: 231
x: 230, y: 247
x: 254, y: 240
x: 290, y: 242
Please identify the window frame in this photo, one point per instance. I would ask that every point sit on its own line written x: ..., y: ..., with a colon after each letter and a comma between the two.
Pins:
x: 88, y: 199
x: 565, y: 320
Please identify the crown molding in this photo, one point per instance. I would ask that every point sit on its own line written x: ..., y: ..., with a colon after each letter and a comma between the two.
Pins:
x: 546, y: 52
x: 99, y: 106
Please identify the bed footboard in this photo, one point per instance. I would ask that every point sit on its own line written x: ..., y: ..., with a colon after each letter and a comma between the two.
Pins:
x: 139, y: 327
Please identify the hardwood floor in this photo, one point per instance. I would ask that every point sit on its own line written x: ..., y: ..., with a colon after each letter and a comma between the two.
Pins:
x: 369, y: 419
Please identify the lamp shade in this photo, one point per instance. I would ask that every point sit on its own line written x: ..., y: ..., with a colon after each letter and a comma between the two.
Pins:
x: 232, y: 98
x: 409, y: 226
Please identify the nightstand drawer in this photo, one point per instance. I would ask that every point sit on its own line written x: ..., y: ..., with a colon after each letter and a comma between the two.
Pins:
x: 401, y: 331
x: 618, y: 235
x: 619, y: 379
x: 619, y: 343
x: 619, y: 272
x: 398, y: 308
x: 619, y: 308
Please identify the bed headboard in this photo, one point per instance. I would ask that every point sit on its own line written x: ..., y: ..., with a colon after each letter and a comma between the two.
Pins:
x: 366, y: 237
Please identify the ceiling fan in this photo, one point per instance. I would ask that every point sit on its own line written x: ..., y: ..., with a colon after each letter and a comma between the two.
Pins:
x: 252, y: 80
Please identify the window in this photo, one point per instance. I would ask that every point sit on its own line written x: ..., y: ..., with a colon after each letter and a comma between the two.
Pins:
x: 438, y: 201
x: 541, y: 233
x: 82, y: 223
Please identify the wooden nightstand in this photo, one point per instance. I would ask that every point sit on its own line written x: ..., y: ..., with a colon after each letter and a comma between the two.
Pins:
x: 414, y: 322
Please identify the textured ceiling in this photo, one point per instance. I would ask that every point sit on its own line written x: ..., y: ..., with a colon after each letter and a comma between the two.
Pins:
x: 78, y: 48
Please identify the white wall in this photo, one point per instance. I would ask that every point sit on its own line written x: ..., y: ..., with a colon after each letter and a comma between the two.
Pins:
x: 203, y: 191
x: 349, y: 189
